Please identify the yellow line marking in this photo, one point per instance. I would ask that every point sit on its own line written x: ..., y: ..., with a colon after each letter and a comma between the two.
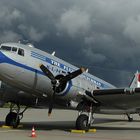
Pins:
x: 78, y: 131
x: 92, y: 130
x: 11, y: 127
x: 4, y: 126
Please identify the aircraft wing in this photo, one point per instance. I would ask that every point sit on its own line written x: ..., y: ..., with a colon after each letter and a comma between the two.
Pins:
x: 116, y: 91
x: 117, y: 97
x: 129, y: 97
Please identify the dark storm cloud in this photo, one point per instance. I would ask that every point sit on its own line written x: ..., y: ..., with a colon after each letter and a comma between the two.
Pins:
x: 102, y: 35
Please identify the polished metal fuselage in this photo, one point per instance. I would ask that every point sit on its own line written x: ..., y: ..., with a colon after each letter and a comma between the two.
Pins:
x: 24, y: 74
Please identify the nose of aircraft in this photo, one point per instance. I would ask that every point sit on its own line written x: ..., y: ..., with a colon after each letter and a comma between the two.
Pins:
x: 2, y: 57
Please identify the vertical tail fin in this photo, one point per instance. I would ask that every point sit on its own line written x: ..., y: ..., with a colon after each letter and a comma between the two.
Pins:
x: 135, y: 83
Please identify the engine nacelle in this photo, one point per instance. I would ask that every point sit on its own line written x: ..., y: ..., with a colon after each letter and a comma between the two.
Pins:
x: 74, y: 87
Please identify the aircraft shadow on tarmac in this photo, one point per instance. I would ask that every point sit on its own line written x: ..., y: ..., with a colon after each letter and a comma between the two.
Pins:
x: 99, y: 124
x: 116, y: 124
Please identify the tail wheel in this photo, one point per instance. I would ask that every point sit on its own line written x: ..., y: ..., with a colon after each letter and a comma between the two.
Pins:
x: 82, y: 122
x: 130, y: 118
x: 12, y: 119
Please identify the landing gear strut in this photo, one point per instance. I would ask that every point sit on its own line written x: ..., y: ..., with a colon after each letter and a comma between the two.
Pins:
x: 130, y: 118
x: 14, y: 116
x: 84, y: 121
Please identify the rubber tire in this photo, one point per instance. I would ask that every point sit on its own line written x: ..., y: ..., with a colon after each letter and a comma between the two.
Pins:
x: 11, y: 120
x: 82, y: 122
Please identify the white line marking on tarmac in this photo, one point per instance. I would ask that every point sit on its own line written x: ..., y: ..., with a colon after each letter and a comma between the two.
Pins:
x: 6, y: 131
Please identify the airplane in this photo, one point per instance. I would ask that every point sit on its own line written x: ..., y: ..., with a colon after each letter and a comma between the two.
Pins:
x: 34, y: 78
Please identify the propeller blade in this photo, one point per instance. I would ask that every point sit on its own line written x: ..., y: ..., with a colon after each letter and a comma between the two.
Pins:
x: 72, y: 75
x: 48, y: 73
x: 52, y: 102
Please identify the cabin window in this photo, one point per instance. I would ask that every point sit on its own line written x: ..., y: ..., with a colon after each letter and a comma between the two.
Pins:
x: 21, y: 52
x: 5, y: 48
x: 14, y: 49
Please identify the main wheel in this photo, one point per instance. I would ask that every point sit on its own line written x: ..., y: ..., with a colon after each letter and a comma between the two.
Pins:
x: 82, y: 122
x: 12, y: 120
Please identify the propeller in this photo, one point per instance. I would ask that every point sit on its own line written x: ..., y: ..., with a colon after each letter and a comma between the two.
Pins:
x: 56, y: 83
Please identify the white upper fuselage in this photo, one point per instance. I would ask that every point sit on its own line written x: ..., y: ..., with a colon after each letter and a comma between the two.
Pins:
x: 20, y: 68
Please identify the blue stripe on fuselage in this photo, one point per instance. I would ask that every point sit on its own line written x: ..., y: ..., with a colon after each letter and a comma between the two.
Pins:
x: 5, y: 59
x: 66, y: 68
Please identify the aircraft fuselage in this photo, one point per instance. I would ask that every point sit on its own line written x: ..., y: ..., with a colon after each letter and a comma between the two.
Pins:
x: 24, y: 73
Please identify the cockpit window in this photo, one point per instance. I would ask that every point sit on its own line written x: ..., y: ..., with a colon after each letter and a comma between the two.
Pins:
x: 21, y: 52
x: 14, y: 49
x: 5, y: 48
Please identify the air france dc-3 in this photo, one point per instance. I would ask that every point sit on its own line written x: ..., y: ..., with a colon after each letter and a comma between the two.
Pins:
x: 35, y: 78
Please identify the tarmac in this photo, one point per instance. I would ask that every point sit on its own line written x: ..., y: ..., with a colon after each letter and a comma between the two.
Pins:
x: 62, y: 122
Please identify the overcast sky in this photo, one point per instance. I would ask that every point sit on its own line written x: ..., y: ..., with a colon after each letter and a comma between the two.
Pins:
x: 103, y: 35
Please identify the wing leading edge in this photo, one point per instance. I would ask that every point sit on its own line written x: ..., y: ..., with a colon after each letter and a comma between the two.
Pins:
x: 116, y: 91
x: 124, y: 98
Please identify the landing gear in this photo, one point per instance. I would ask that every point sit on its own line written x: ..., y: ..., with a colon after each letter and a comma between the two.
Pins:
x: 130, y: 118
x: 84, y: 121
x: 14, y: 116
x: 12, y: 119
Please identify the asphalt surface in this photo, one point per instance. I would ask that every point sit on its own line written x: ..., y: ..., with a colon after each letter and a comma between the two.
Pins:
x: 59, y: 125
